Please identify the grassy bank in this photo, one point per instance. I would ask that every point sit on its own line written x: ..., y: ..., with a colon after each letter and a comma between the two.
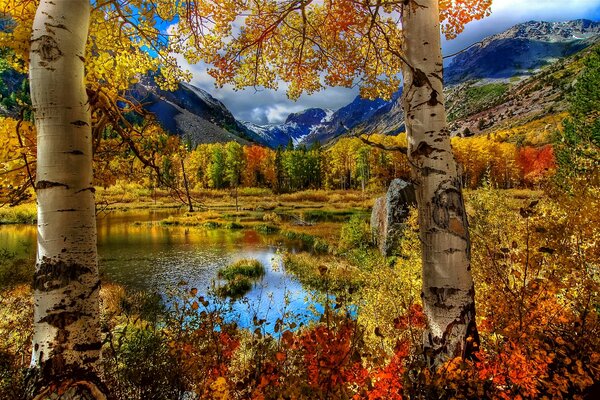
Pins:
x: 21, y: 214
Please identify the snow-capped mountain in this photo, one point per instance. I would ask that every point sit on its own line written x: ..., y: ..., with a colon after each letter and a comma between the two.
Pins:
x: 519, y: 51
x: 198, y: 117
x: 522, y: 49
x: 297, y: 127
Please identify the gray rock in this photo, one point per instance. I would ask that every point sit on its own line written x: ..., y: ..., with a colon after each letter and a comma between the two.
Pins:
x: 389, y: 215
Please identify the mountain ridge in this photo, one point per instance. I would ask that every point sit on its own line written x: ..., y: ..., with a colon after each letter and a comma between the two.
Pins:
x: 478, y: 79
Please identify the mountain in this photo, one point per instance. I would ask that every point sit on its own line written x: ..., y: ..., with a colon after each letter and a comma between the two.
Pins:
x: 350, y: 117
x: 475, y: 78
x: 191, y: 113
x: 522, y: 49
x: 297, y: 127
x: 496, y: 80
x: 482, y: 79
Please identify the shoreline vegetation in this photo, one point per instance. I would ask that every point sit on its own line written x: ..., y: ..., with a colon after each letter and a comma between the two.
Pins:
x: 371, y: 304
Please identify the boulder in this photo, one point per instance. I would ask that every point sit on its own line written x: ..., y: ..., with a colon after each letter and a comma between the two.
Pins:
x: 389, y: 215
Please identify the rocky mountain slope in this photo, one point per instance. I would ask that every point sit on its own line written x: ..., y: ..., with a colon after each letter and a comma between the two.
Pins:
x: 488, y: 84
x: 522, y: 49
x: 506, y: 76
x: 191, y: 113
x: 479, y: 78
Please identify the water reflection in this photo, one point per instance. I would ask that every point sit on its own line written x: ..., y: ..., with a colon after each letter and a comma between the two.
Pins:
x: 141, y: 255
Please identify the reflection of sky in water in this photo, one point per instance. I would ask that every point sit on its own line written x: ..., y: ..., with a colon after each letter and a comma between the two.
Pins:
x: 157, y: 258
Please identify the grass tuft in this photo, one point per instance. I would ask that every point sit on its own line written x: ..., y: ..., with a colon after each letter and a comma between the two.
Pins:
x: 245, y: 267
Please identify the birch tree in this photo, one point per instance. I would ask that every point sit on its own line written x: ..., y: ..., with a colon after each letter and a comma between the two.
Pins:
x: 77, y: 89
x: 308, y: 45
x: 448, y: 291
x: 66, y: 342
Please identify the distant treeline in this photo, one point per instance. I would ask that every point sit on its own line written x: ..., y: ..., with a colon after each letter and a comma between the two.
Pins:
x: 352, y: 164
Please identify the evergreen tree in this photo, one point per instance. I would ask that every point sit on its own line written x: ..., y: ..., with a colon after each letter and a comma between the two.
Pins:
x: 578, y: 146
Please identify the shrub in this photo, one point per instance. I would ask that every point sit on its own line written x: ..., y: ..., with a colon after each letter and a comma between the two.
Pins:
x: 355, y: 234
x: 235, y: 287
x: 244, y: 267
x: 212, y: 225
x: 16, y: 317
x: 233, y: 225
x: 272, y: 217
x: 266, y: 229
x: 21, y: 214
x: 313, y: 243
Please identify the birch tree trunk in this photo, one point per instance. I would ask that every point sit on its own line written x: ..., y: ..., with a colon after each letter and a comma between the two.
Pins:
x: 66, y: 341
x: 448, y: 291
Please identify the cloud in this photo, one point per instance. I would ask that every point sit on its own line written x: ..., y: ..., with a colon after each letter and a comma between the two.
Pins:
x: 264, y: 106
x: 269, y: 106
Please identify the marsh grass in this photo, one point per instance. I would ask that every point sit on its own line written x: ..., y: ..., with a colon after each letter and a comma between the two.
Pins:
x: 21, y: 214
x: 236, y: 287
x: 248, y: 268
x: 239, y: 277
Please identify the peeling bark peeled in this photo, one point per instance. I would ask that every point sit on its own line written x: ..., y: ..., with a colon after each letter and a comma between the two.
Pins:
x: 448, y: 290
x: 67, y: 341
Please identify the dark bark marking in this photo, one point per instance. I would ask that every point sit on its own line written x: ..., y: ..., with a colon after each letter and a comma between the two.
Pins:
x: 93, y: 289
x: 48, y: 184
x: 57, y: 26
x: 433, y: 100
x: 437, y: 76
x: 75, y: 152
x: 66, y: 210
x: 419, y: 78
x: 62, y: 319
x: 51, y: 275
x: 87, y: 346
x: 91, y: 189
x: 423, y: 150
x: 441, y: 295
x: 426, y: 171
x: 48, y: 48
x: 448, y: 210
x: 79, y: 123
x: 452, y: 250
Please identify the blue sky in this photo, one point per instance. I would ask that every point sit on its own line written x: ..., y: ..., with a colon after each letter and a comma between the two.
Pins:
x: 269, y: 106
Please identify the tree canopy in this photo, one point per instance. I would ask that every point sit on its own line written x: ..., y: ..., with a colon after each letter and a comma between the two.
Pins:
x: 308, y: 44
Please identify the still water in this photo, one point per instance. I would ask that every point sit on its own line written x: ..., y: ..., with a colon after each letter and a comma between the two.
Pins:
x: 137, y: 254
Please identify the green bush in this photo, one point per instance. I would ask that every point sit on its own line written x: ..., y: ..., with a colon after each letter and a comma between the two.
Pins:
x: 233, y: 225
x: 313, y: 243
x: 235, y: 287
x: 266, y: 229
x: 245, y: 267
x: 139, y: 365
x: 212, y: 225
x: 355, y: 234
x: 21, y: 214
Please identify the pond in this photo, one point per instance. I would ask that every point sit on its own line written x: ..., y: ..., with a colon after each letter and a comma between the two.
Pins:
x: 140, y: 255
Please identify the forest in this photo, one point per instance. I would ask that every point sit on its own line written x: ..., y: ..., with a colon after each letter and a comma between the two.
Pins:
x: 435, y: 238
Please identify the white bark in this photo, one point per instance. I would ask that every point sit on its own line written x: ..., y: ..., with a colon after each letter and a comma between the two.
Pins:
x: 67, y: 342
x: 448, y: 291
